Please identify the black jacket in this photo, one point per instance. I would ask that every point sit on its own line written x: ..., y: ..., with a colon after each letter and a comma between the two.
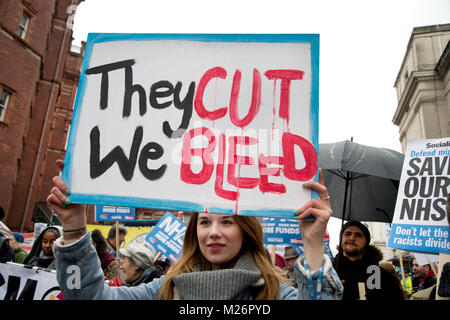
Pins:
x: 352, y: 272
x: 147, y: 276
x: 6, y: 253
x: 444, y: 283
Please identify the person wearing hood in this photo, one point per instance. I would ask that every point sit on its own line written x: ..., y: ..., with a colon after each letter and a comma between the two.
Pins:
x: 137, y: 265
x: 41, y: 254
x: 358, y: 262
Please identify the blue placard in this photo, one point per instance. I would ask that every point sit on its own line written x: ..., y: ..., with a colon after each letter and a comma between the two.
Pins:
x: 112, y: 213
x: 281, y: 231
x: 167, y: 236
x: 286, y: 232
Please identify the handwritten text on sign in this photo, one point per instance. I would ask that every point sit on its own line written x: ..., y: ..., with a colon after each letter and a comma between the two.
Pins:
x: 224, y: 126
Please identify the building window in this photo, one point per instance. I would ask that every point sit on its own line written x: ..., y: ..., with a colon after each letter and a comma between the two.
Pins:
x: 4, y: 100
x: 23, y: 25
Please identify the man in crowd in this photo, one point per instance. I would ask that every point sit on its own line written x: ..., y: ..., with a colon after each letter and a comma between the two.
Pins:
x: 290, y: 256
x: 424, y: 274
x: 111, y: 240
x: 426, y: 282
x: 357, y: 264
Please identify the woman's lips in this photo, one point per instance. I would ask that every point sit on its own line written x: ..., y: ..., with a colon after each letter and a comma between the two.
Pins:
x: 215, y: 246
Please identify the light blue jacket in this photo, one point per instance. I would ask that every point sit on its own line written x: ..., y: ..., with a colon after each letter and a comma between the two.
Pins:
x: 80, y: 277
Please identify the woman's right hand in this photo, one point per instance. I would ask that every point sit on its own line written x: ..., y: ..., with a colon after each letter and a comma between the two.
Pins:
x: 72, y: 216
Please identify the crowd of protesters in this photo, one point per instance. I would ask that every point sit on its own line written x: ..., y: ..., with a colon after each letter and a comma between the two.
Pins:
x: 223, y: 258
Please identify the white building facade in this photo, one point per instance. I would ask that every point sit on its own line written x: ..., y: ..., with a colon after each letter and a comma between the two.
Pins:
x: 423, y: 93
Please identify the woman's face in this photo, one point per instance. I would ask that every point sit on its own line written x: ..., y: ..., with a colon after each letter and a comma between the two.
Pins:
x: 130, y: 271
x: 219, y: 237
x: 47, y: 242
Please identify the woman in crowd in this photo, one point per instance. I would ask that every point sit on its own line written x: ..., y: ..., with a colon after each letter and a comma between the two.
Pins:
x: 223, y: 257
x: 108, y: 263
x: 137, y: 266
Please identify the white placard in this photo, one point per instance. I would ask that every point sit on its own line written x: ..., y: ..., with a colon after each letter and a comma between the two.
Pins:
x: 217, y: 123
x: 420, y: 219
x: 20, y: 283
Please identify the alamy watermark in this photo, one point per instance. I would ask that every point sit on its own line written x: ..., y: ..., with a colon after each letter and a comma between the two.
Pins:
x: 74, y: 279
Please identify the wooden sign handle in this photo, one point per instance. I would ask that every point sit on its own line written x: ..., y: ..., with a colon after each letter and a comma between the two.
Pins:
x: 117, y: 239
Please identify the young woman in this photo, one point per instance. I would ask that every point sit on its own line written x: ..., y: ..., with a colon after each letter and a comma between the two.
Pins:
x: 41, y: 254
x: 223, y: 258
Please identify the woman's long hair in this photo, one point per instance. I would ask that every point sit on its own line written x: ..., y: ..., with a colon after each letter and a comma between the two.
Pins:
x: 100, y: 241
x: 192, y: 259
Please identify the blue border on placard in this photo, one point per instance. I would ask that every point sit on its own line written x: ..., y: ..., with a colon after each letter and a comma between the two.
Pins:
x: 106, y: 200
x: 94, y: 38
x: 411, y: 237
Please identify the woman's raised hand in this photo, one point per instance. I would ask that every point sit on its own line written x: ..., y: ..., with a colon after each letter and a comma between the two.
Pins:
x: 313, y: 230
x: 72, y: 216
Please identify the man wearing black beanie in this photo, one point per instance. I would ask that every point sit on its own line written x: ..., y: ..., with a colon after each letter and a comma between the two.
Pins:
x: 357, y: 262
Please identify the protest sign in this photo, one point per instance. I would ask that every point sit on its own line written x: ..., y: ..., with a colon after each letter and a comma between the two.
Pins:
x: 112, y: 213
x: 194, y: 122
x: 167, y: 236
x: 420, y: 221
x: 20, y: 283
x: 286, y: 232
x: 423, y: 259
x: 281, y: 231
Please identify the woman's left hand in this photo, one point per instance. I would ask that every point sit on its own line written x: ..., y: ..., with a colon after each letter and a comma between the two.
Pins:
x: 313, y: 230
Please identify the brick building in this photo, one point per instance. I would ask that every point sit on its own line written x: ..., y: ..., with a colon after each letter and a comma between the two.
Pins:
x: 38, y: 81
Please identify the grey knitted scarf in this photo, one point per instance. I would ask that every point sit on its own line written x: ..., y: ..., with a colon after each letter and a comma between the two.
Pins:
x: 227, y: 284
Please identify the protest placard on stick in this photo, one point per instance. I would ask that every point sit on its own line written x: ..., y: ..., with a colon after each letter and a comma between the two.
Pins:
x: 167, y: 237
x: 286, y: 232
x: 420, y: 220
x: 194, y: 122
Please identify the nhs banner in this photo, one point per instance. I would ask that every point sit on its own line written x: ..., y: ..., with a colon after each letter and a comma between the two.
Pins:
x: 112, y: 213
x: 167, y: 236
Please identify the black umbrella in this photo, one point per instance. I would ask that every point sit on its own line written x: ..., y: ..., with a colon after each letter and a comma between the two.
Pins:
x: 362, y: 181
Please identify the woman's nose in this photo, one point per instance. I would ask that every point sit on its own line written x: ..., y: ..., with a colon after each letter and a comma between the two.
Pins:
x: 214, y: 232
